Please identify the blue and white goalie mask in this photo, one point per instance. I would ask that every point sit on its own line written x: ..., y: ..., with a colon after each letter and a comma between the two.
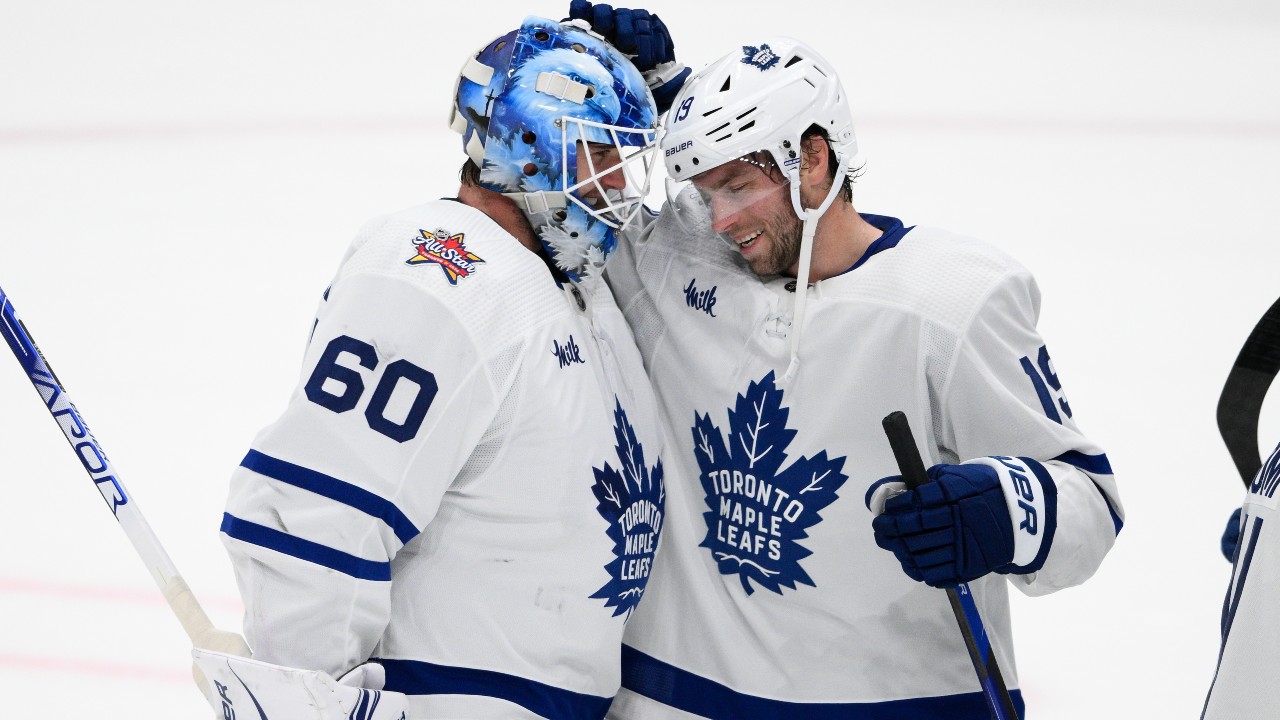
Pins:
x: 563, y: 124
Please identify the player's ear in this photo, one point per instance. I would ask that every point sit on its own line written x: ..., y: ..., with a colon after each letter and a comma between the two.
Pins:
x: 814, y: 165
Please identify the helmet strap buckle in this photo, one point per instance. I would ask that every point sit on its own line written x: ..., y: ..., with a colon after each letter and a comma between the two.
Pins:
x: 561, y: 86
x: 537, y: 203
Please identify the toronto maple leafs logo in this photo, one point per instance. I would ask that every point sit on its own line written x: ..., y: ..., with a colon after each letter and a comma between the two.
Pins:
x: 762, y: 57
x: 758, y: 512
x: 631, y: 500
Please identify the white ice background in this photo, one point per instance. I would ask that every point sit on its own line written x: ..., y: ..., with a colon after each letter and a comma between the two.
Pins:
x: 178, y: 182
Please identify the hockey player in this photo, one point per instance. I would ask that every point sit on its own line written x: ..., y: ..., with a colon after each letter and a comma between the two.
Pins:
x: 1250, y: 624
x: 463, y: 498
x: 770, y: 597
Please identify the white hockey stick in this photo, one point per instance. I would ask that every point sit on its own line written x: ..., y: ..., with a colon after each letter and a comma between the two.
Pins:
x: 122, y: 504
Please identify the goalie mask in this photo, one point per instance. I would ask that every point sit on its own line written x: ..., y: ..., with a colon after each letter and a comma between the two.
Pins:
x: 528, y: 104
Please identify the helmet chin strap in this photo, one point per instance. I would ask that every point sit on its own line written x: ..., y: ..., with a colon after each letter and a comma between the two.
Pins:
x: 536, y: 203
x: 810, y: 216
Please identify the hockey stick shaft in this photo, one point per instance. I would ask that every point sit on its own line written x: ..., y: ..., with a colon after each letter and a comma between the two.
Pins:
x: 122, y: 504
x: 1246, y: 387
x: 898, y: 430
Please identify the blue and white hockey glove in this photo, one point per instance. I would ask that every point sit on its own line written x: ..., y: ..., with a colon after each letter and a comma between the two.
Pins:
x: 1231, y: 536
x: 961, y: 525
x: 643, y: 37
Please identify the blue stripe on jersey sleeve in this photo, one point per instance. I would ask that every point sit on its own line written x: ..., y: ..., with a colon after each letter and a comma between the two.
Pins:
x: 334, y: 489
x: 681, y: 689
x: 414, y: 677
x: 312, y: 552
x: 1098, y: 465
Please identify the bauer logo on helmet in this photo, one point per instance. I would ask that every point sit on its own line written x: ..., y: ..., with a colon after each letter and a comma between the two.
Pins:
x: 680, y: 148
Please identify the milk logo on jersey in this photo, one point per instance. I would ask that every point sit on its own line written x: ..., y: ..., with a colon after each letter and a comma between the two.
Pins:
x: 757, y: 511
x: 568, y: 353
x: 700, y: 299
x: 631, y: 499
x: 762, y: 57
x: 447, y: 250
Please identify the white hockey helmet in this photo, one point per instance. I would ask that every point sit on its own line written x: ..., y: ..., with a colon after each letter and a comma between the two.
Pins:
x: 763, y: 97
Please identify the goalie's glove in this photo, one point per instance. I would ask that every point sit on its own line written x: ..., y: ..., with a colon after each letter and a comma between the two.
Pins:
x: 959, y: 526
x: 1231, y: 536
x: 643, y: 37
x: 241, y: 687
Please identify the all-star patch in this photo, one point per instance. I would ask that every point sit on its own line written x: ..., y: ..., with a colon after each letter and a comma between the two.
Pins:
x: 762, y: 57
x: 447, y: 250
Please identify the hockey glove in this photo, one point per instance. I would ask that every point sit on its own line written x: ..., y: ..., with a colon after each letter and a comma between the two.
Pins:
x: 951, y: 530
x: 1231, y: 536
x: 248, y: 688
x: 643, y: 37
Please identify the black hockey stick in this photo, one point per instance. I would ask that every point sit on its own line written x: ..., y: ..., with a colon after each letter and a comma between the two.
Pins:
x: 1246, y: 387
x: 911, y: 466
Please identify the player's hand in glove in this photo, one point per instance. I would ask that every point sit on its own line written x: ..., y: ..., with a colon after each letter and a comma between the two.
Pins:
x: 951, y: 530
x: 643, y: 37
x: 1231, y: 536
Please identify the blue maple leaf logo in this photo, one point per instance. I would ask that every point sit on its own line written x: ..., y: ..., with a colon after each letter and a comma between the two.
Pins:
x: 762, y: 57
x: 631, y: 498
x: 758, y: 512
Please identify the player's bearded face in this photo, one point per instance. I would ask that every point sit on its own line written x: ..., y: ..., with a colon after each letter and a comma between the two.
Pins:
x: 596, y: 158
x: 750, y: 206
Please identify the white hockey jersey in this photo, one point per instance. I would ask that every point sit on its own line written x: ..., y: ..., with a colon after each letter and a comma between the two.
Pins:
x: 465, y: 485
x: 1242, y: 688
x: 769, y: 597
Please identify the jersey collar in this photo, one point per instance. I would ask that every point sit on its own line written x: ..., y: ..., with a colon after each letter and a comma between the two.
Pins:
x: 892, y: 232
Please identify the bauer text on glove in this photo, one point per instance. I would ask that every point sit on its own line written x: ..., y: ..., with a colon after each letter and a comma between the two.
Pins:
x: 994, y: 514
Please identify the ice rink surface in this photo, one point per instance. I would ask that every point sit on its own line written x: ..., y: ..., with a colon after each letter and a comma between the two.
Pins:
x: 179, y: 180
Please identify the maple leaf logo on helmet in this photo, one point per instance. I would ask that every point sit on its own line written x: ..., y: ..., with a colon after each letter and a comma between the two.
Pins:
x: 762, y: 57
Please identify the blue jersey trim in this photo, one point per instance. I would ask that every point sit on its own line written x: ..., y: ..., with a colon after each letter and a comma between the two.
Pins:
x: 1116, y: 521
x: 1231, y: 602
x: 1098, y: 465
x: 891, y: 233
x: 414, y: 677
x: 312, y: 552
x: 334, y: 489
x: 678, y: 688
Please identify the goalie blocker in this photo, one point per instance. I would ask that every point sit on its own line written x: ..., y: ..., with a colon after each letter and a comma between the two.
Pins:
x: 244, y: 688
